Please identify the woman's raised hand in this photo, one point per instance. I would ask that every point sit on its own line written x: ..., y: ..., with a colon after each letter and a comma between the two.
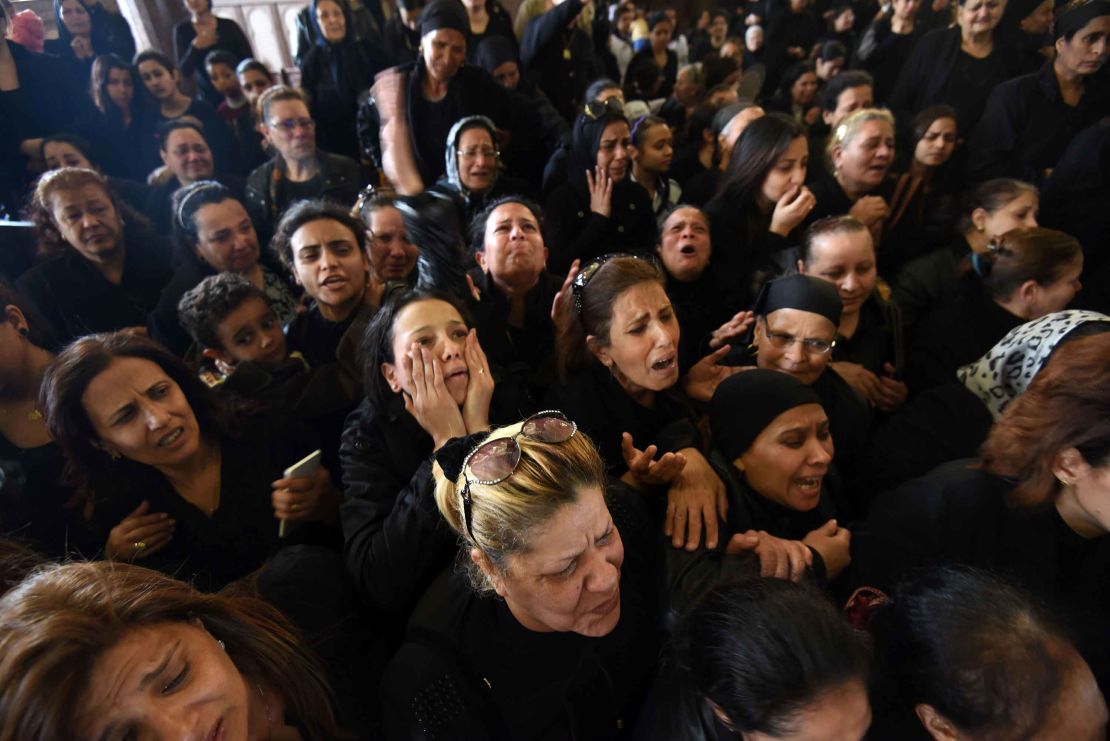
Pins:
x: 306, y: 499
x: 479, y: 387
x: 644, y: 470
x: 430, y: 402
x: 601, y: 191
x: 139, y: 534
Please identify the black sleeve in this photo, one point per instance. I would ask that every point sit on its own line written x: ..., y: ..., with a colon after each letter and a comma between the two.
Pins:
x: 189, y: 58
x: 568, y: 237
x: 239, y: 44
x: 911, y: 80
x: 368, y: 130
x: 991, y: 147
x: 432, y: 222
x: 544, y: 29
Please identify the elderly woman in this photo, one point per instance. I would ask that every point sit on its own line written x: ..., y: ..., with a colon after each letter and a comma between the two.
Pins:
x: 870, y: 346
x: 298, y: 170
x: 618, y: 360
x: 1034, y: 507
x: 598, y: 209
x: 86, y: 30
x: 762, y: 659
x: 404, y: 123
x: 957, y: 65
x: 962, y: 653
x: 473, y: 177
x: 36, y: 506
x: 1030, y: 120
x: 762, y: 200
x: 552, y: 614
x: 1022, y: 276
x: 214, y: 235
x: 860, y: 152
x: 334, y: 72
x: 228, y: 667
x: 183, y: 482
x: 103, y: 272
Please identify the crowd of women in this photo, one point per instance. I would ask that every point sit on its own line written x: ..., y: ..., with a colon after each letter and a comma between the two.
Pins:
x: 786, y: 415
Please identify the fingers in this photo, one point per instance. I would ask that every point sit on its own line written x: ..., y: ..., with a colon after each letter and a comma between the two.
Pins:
x: 296, y: 485
x: 418, y: 372
x: 798, y: 561
x: 693, y: 529
x: 571, y: 274
x: 742, y: 543
x: 133, y: 523
x: 790, y: 194
x: 668, y: 519
x: 709, y: 518
x: 148, y: 533
x: 628, y: 450
x: 140, y: 510
x: 590, y: 182
x: 678, y: 533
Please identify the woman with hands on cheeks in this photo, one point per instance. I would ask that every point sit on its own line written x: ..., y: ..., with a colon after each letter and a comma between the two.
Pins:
x: 617, y: 353
x: 868, y: 351
x: 427, y: 381
x: 179, y: 485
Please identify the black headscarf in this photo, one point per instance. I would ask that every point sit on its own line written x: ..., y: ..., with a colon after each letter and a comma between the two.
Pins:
x: 494, y: 51
x: 444, y: 14
x: 801, y: 292
x: 1074, y: 16
x: 745, y: 403
x: 584, y: 141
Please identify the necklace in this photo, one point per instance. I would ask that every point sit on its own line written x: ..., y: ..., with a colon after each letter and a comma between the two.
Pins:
x: 32, y: 416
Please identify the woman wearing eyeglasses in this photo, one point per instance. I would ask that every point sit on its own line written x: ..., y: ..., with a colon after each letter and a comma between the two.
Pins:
x: 599, y: 209
x: 298, y: 170
x: 795, y: 333
x: 473, y: 177
x: 550, y: 632
x: 427, y: 380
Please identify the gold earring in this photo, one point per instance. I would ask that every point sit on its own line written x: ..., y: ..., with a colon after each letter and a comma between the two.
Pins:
x: 1063, y: 481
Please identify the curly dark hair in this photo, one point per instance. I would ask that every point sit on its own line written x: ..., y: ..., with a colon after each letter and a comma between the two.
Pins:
x: 477, y: 227
x: 306, y: 212
x: 204, y: 306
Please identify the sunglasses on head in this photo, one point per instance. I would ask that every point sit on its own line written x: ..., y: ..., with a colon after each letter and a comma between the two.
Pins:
x: 589, y: 270
x: 495, y: 460
x: 595, y: 109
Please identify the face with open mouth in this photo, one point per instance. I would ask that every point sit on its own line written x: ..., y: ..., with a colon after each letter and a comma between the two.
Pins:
x: 847, y: 259
x: 642, y: 351
x: 568, y: 578
x: 787, y: 463
x: 513, y: 251
x: 166, y: 681
x: 329, y: 263
x: 477, y: 161
x: 863, y: 160
x: 437, y: 326
x: 684, y: 246
x: 138, y: 412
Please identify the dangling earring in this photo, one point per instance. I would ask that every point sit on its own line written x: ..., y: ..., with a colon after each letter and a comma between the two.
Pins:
x: 1063, y: 481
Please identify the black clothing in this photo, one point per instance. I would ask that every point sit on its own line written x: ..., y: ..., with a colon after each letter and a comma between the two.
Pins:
x: 213, y: 551
x: 1026, y: 125
x: 500, y: 24
x: 268, y: 191
x: 938, y: 71
x: 533, y: 344
x: 701, y: 187
x: 334, y: 75
x: 190, y: 59
x: 883, y: 53
x: 929, y: 282
x: 159, y: 204
x: 364, y: 23
x: 604, y: 410
x: 833, y: 201
x: 878, y: 338
x: 956, y: 334
x: 959, y: 515
x: 472, y: 91
x: 850, y: 424
x: 743, y: 246
x: 941, y: 424
x: 504, y: 681
x: 221, y: 139
x: 702, y: 306
x: 559, y: 59
x: 667, y: 75
x: 36, y: 508
x: 78, y: 300
x: 399, y: 42
x: 114, y: 144
x: 573, y: 231
x: 919, y: 222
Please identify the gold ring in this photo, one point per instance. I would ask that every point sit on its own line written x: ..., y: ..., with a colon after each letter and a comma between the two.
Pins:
x: 140, y: 545
x: 294, y: 507
x: 481, y: 371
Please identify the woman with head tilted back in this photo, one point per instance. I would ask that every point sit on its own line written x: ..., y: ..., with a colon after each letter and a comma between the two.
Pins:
x: 105, y: 269
x: 1034, y: 507
x: 95, y: 649
x: 551, y: 616
x: 175, y: 481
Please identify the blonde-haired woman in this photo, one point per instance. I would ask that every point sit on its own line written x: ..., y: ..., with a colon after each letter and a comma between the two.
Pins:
x: 551, y: 632
x: 854, y: 181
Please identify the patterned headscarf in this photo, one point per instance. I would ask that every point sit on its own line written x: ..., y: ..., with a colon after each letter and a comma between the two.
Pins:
x: 1008, y: 368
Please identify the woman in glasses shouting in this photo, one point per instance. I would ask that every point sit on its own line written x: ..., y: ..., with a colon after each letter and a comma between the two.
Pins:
x: 550, y: 633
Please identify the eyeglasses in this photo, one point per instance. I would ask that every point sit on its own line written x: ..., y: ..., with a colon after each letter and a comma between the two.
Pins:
x: 595, y: 109
x: 290, y: 125
x: 810, y: 345
x: 495, y: 460
x: 473, y: 153
x: 587, y: 273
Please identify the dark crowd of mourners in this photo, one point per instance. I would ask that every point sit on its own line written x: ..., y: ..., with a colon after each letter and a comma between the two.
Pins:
x: 602, y: 371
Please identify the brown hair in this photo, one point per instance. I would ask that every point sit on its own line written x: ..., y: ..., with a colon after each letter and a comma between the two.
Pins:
x: 1024, y: 254
x: 40, y: 211
x: 592, y: 312
x: 991, y: 196
x: 64, y: 384
x: 1066, y: 406
x: 59, y: 621
x: 824, y: 227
